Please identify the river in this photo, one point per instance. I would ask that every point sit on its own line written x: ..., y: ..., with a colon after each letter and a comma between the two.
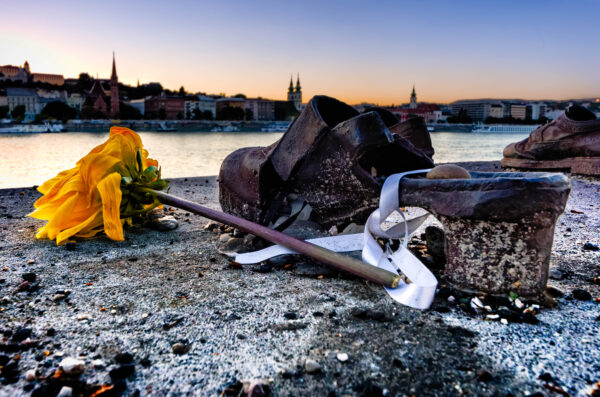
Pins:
x: 30, y: 159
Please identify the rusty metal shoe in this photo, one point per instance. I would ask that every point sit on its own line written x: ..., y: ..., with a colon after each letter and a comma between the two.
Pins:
x: 571, y: 142
x: 331, y: 156
x: 414, y: 129
x: 499, y: 226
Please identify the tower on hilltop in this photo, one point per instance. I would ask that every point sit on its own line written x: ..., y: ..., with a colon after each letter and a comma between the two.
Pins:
x: 114, y: 90
x: 413, y: 99
x: 295, y: 94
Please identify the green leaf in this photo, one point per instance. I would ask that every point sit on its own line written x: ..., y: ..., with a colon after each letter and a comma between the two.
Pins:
x: 513, y: 295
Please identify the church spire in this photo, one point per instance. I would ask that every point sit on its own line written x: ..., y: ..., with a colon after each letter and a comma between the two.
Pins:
x: 298, y: 83
x: 291, y: 87
x: 413, y: 99
x: 114, y: 69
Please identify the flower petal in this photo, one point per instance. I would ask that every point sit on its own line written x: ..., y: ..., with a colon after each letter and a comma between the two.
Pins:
x: 110, y: 194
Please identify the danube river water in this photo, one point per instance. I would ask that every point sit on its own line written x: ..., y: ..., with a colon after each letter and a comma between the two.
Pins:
x: 27, y: 160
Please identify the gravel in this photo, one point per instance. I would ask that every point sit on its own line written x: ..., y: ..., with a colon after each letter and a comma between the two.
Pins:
x: 142, y: 307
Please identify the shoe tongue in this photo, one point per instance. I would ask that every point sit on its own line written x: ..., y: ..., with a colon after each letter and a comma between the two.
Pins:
x: 579, y: 113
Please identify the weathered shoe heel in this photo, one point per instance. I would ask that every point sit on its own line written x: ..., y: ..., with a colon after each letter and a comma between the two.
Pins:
x: 499, y: 226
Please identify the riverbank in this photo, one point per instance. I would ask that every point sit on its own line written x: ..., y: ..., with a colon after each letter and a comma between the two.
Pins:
x: 98, y: 300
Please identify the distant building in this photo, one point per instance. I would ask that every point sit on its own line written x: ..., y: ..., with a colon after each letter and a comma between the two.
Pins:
x: 429, y: 111
x: 114, y: 90
x: 536, y: 111
x: 413, y: 99
x: 24, y: 74
x: 97, y: 98
x: 100, y: 99
x: 3, y: 98
x: 294, y: 95
x: 75, y: 101
x: 518, y: 111
x: 262, y: 109
x: 476, y: 109
x: 201, y: 103
x: 168, y: 107
x: 224, y: 103
x: 497, y: 110
x: 23, y: 96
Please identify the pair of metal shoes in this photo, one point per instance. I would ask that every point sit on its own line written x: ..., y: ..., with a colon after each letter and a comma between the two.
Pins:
x: 331, y: 157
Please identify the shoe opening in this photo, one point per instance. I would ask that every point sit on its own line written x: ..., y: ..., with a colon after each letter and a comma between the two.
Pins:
x: 579, y: 113
x: 333, y: 111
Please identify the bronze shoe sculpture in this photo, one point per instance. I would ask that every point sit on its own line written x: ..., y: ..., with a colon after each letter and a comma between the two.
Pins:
x: 571, y: 142
x: 499, y: 226
x: 331, y: 156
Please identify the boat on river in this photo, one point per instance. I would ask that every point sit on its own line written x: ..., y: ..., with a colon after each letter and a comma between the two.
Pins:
x: 32, y: 128
x: 504, y: 128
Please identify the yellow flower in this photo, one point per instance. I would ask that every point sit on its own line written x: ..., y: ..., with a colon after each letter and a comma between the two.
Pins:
x: 98, y: 194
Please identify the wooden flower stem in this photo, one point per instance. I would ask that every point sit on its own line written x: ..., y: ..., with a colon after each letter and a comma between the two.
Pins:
x: 326, y: 256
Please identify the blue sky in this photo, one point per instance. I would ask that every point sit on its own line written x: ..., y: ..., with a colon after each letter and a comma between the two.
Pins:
x: 348, y: 49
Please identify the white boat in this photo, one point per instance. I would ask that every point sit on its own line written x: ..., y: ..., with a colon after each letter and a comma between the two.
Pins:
x: 276, y: 127
x: 32, y: 128
x: 504, y: 128
x: 163, y: 127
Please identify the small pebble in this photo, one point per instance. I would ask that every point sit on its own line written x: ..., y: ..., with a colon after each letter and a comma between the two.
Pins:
x: 66, y: 391
x: 311, y: 366
x: 223, y: 238
x: 290, y: 315
x: 124, y: 358
x: 179, y: 348
x: 164, y: 224
x: 342, y: 357
x: 30, y: 375
x: 519, y: 304
x: 98, y: 363
x: 72, y: 366
x: 581, y: 294
x: 590, y: 247
x: 58, y: 297
x: 29, y: 276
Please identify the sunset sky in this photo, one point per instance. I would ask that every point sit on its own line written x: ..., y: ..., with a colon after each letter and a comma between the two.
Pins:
x: 355, y: 51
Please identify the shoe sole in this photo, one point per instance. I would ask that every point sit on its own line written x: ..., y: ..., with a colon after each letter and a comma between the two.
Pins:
x: 576, y: 165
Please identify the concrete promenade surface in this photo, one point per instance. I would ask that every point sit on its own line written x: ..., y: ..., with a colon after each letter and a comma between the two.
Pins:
x: 195, y: 325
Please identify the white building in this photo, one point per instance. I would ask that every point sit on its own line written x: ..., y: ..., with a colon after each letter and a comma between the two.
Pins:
x: 537, y: 110
x: 518, y: 112
x: 202, y: 103
x: 25, y: 97
x: 75, y: 100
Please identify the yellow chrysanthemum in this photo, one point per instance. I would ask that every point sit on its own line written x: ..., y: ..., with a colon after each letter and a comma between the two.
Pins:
x: 98, y: 194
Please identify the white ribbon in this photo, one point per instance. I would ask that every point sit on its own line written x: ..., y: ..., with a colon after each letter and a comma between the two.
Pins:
x: 420, y: 291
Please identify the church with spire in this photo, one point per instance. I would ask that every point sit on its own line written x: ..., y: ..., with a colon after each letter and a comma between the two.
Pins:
x: 105, y: 101
x: 429, y: 111
x: 294, y: 94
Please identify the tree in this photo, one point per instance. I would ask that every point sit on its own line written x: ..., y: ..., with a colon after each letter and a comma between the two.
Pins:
x: 3, y: 111
x: 182, y: 91
x: 128, y: 112
x: 18, y: 112
x: 231, y: 113
x: 462, y: 117
x: 249, y: 114
x: 162, y: 113
x: 59, y: 111
x: 84, y: 79
x: 239, y: 96
x: 89, y: 112
x: 207, y: 115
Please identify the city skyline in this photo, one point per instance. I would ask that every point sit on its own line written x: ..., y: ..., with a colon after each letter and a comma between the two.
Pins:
x: 465, y: 50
